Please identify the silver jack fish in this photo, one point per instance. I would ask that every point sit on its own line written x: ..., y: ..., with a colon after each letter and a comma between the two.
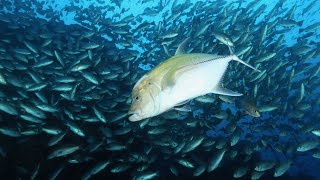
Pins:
x: 178, y: 80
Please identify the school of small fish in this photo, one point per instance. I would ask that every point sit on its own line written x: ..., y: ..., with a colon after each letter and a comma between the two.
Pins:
x: 77, y: 98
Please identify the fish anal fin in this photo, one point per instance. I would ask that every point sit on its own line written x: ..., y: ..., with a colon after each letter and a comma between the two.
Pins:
x: 223, y: 91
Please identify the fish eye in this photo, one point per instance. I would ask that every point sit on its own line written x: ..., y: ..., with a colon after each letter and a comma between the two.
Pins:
x: 137, y: 98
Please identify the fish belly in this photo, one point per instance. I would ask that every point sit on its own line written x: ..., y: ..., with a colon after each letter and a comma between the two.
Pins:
x: 198, y: 81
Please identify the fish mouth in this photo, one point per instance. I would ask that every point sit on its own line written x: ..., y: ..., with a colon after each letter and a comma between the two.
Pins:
x: 134, y: 116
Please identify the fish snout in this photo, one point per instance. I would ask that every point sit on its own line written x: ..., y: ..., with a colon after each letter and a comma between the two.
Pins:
x: 258, y: 114
x: 134, y: 118
x: 134, y: 115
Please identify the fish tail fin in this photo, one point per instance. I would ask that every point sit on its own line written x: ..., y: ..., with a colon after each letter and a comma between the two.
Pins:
x: 236, y: 58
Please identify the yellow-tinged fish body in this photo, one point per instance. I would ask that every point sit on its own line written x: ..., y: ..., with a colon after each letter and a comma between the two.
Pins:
x: 177, y: 80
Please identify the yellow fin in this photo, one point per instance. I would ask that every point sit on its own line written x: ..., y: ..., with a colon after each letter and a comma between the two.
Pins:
x: 170, y: 78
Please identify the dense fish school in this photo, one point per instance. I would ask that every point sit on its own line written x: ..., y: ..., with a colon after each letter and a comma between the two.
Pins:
x: 66, y: 90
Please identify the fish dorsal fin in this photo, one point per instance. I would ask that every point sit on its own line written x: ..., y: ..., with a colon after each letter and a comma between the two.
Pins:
x: 182, y: 47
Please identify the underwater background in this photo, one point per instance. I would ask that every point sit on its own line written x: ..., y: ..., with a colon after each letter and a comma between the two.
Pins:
x: 67, y: 69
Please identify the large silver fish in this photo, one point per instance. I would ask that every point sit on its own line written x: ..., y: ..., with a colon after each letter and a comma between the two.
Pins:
x: 178, y: 80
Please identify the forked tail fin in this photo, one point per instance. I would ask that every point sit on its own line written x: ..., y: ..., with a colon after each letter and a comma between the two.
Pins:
x: 236, y: 58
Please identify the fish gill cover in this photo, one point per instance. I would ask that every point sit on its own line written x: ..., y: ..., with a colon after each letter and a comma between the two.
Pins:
x: 67, y: 69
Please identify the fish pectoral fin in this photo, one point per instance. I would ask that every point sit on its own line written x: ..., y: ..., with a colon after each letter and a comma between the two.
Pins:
x: 168, y: 81
x: 170, y: 78
x: 224, y: 91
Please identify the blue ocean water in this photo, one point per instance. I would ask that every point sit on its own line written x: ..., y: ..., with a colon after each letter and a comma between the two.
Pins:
x: 110, y: 15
